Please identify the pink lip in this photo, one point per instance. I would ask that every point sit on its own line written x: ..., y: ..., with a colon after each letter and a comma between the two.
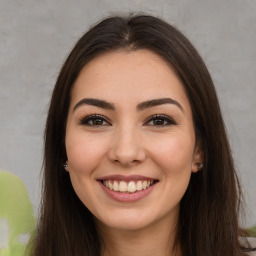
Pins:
x: 125, y: 178
x: 127, y: 197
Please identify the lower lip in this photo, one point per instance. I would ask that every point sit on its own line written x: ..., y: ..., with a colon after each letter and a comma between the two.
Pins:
x: 127, y: 197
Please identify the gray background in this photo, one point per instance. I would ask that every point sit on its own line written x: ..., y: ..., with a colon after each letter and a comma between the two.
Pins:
x: 36, y: 36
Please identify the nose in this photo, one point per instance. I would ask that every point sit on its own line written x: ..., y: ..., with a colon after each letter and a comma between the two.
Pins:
x: 127, y: 148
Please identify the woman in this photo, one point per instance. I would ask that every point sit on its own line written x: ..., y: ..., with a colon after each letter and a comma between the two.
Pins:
x: 137, y: 160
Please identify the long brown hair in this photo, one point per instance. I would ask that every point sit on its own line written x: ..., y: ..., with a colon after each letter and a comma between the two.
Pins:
x: 208, y: 221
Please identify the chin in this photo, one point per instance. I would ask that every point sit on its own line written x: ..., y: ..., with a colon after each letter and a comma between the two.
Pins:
x: 126, y: 225
x: 130, y: 220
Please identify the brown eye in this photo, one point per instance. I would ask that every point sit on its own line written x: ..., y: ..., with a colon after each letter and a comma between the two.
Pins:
x: 94, y: 120
x: 160, y: 120
x: 97, y: 121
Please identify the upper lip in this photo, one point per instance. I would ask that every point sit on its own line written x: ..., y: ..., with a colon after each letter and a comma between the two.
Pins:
x: 125, y: 178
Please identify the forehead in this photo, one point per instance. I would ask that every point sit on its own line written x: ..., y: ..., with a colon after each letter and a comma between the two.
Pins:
x: 128, y: 76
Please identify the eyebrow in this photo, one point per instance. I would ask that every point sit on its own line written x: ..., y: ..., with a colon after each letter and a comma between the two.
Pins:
x: 157, y: 102
x: 94, y: 102
x: 143, y: 105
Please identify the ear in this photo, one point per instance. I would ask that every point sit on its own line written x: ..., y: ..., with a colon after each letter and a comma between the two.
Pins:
x: 66, y: 166
x: 198, y: 156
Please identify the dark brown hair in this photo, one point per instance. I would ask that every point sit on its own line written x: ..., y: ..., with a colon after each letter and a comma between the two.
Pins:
x: 208, y: 221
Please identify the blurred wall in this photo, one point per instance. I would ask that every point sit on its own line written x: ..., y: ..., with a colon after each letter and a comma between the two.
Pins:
x: 37, y: 35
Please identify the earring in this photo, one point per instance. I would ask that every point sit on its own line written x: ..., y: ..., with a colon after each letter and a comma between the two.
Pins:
x: 200, y: 166
x: 65, y: 165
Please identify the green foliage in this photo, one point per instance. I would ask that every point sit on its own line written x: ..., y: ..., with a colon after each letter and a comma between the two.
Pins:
x: 17, y: 220
x: 252, y: 231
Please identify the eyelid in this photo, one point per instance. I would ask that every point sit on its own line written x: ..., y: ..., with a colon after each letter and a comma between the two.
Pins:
x: 86, y: 118
x: 161, y: 116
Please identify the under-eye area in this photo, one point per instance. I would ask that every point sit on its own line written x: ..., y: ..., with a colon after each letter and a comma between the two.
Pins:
x: 132, y: 186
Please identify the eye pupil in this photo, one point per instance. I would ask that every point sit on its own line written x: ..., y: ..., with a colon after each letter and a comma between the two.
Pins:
x: 158, y: 122
x: 97, y: 121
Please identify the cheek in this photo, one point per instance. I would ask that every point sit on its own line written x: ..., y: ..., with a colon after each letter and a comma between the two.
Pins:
x: 84, y: 153
x: 175, y: 160
x: 174, y: 154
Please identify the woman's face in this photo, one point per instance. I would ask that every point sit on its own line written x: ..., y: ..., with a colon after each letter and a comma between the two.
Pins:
x: 130, y: 140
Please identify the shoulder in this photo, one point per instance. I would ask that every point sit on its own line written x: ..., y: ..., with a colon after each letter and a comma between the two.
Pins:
x: 252, y: 241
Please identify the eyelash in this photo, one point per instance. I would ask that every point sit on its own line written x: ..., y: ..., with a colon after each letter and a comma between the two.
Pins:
x: 167, y: 120
x: 85, y: 120
x: 96, y: 117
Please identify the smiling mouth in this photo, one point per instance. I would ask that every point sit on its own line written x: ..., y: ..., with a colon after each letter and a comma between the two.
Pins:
x: 128, y: 187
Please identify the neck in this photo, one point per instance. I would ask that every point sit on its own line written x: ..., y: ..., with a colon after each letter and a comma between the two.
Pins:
x: 157, y: 239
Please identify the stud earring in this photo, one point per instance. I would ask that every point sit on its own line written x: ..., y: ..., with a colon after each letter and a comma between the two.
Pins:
x: 200, y: 166
x: 65, y: 165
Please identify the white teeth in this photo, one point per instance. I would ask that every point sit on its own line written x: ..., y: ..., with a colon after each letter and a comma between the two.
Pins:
x: 115, y: 186
x: 144, y: 184
x: 139, y: 185
x: 122, y: 186
x: 130, y: 187
x: 110, y: 185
